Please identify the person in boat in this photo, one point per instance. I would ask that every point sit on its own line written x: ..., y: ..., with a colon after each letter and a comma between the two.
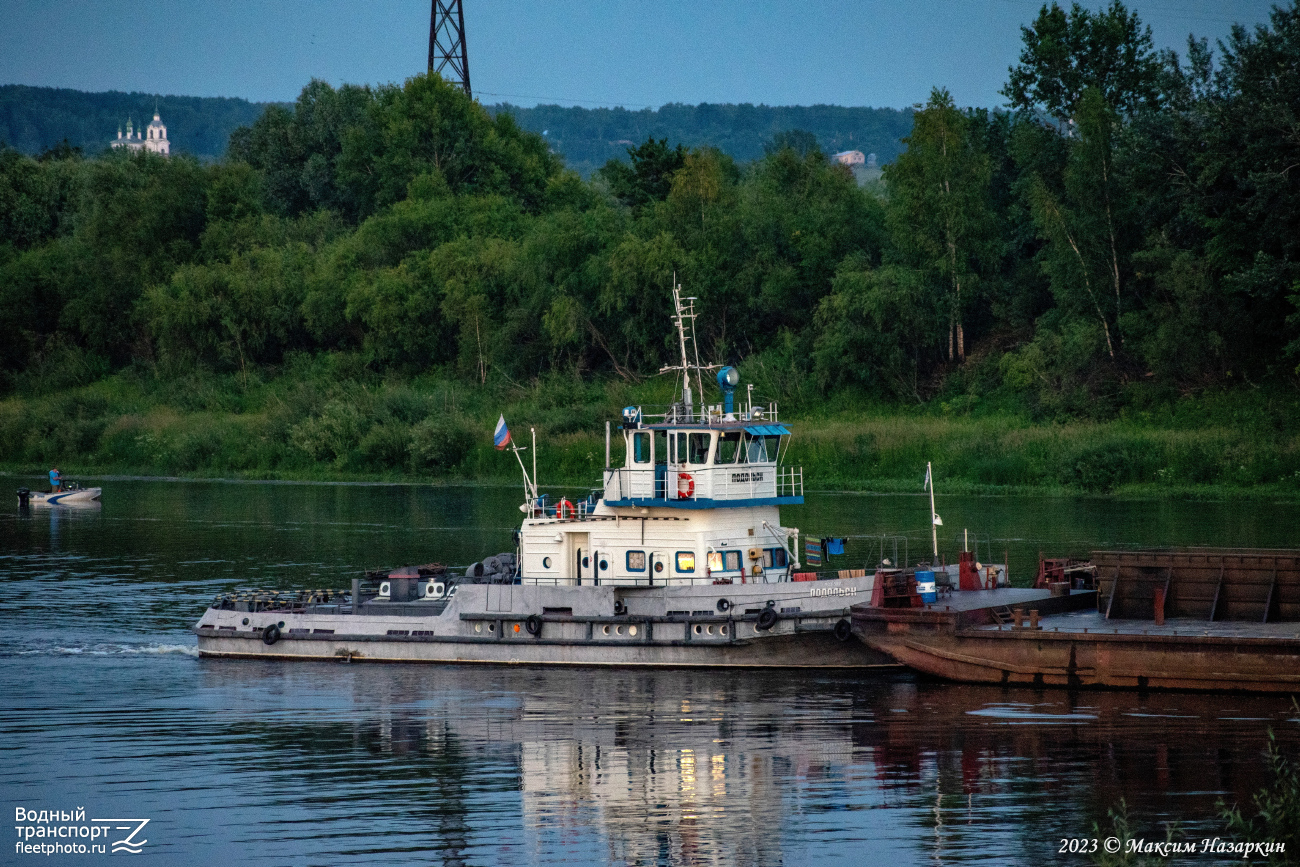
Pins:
x: 56, y: 481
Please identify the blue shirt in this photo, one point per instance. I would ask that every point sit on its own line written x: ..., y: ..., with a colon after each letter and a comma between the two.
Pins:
x: 54, y: 477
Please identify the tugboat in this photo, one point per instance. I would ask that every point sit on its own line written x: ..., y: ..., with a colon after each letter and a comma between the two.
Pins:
x: 679, y: 559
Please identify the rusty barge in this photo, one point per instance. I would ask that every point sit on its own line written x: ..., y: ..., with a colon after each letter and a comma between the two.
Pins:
x: 1190, y: 618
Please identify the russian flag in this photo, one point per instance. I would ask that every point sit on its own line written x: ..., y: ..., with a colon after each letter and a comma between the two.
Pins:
x: 501, y: 436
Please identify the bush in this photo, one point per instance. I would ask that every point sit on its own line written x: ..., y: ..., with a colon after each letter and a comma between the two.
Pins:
x: 439, y: 444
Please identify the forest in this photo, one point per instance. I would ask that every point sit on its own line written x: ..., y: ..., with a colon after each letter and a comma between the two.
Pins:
x: 1095, y: 286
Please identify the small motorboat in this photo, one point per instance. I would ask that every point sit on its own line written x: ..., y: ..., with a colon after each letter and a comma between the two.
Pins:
x: 72, y: 494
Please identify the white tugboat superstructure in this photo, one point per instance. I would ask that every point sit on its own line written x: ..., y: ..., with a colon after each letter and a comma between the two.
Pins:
x: 679, y: 560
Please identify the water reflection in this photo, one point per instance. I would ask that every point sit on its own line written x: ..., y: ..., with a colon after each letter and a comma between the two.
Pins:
x: 704, y: 767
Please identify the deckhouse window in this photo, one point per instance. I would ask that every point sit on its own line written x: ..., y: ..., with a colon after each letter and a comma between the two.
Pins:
x: 685, y: 561
x: 774, y: 558
x: 641, y: 447
x: 724, y: 561
x: 636, y: 561
x: 699, y: 447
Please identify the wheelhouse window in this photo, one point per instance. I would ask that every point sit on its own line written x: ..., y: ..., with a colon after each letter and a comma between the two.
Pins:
x: 686, y: 561
x: 761, y: 449
x: 636, y: 561
x: 641, y: 447
x: 715, y: 561
x: 774, y: 558
x: 728, y: 446
x: 698, y: 453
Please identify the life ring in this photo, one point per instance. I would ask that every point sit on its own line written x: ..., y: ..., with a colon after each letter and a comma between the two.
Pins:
x: 534, y: 625
x: 560, y: 508
x: 724, y: 605
x: 767, y: 618
x: 270, y: 635
x: 843, y: 630
x: 685, y: 486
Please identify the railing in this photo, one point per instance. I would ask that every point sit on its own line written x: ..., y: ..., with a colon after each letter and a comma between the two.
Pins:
x: 710, y: 414
x: 727, y: 482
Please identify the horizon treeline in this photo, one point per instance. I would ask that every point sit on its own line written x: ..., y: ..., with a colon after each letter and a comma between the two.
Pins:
x: 1129, y: 227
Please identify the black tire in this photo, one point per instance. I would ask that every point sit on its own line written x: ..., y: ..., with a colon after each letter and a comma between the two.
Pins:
x: 270, y: 635
x: 534, y: 625
x: 843, y: 630
x: 767, y: 618
x: 724, y: 605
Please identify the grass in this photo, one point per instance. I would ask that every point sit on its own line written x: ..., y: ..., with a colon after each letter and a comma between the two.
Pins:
x: 323, y: 421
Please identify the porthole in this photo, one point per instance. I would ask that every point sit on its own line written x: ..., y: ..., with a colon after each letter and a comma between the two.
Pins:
x: 722, y: 630
x: 631, y: 630
x: 604, y: 564
x: 618, y: 630
x: 709, y: 629
x: 586, y: 562
x: 245, y: 621
x: 698, y: 629
x: 478, y: 627
x: 659, y: 567
x: 605, y: 629
x: 492, y: 627
x: 546, y: 562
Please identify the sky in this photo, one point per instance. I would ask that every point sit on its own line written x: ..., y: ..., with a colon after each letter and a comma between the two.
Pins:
x: 634, y: 53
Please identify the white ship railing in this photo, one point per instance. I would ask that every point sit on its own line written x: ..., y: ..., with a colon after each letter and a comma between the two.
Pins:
x: 730, y: 482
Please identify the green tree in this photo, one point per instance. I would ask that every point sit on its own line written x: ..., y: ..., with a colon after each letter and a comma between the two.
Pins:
x: 940, y: 215
x: 1088, y: 227
x: 649, y: 176
x: 1065, y: 54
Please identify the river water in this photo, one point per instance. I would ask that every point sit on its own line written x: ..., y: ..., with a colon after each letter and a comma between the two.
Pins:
x: 107, y: 707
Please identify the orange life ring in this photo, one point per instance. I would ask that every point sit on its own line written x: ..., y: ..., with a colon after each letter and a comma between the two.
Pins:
x: 685, y: 486
x: 560, y: 508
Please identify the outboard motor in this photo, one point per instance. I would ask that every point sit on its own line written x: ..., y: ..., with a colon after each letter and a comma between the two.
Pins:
x: 23, y: 496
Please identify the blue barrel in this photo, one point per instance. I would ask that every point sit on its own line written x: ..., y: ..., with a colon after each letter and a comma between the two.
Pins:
x: 925, y: 586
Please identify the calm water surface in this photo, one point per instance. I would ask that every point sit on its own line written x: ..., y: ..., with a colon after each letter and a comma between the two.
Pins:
x: 106, y: 706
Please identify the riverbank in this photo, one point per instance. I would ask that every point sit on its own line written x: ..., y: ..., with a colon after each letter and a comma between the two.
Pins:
x: 429, y: 431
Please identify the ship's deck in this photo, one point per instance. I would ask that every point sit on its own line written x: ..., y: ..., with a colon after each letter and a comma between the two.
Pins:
x: 1095, y: 623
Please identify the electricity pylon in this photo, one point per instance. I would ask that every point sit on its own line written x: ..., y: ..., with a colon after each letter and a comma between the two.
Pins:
x: 448, y: 55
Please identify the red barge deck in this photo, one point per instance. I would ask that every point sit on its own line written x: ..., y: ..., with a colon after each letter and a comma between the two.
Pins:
x: 1197, y: 618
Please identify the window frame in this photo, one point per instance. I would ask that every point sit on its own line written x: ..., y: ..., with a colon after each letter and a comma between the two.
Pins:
x: 627, y: 561
x: 677, y: 562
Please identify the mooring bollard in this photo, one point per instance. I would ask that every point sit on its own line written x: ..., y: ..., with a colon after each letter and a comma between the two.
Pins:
x: 1160, y: 606
x: 1019, y: 616
x: 1033, y: 618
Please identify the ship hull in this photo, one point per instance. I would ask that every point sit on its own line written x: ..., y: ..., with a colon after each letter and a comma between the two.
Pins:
x: 806, y: 626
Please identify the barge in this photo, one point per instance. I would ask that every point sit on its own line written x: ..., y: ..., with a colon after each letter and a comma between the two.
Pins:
x: 1191, y: 618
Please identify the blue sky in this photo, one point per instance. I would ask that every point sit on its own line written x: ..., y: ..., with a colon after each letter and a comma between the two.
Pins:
x: 633, y: 53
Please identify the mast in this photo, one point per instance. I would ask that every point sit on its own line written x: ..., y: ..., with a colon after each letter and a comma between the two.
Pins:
x: 684, y: 318
x: 934, y: 516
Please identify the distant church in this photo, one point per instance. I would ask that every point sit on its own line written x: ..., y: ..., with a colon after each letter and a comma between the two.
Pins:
x: 152, y: 138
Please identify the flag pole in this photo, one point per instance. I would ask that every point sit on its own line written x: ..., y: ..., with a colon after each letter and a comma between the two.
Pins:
x: 934, y: 528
